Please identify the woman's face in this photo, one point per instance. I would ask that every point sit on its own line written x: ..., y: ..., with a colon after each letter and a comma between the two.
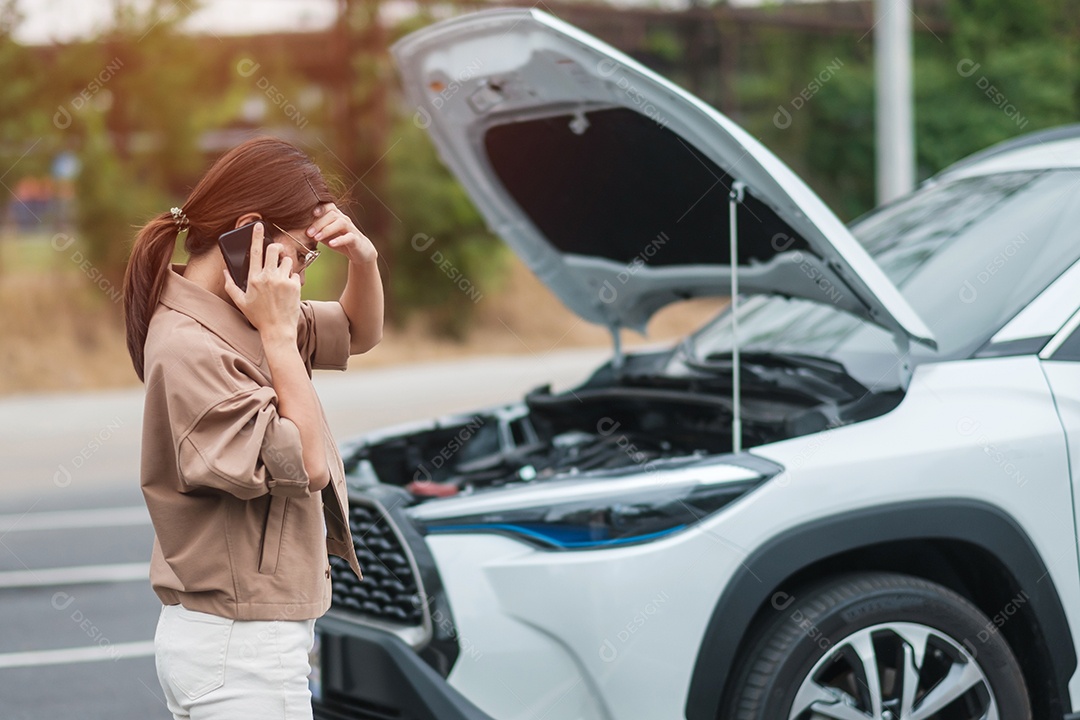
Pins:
x: 296, y: 244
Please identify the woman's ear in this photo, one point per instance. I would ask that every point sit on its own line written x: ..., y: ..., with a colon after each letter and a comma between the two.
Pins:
x: 246, y: 218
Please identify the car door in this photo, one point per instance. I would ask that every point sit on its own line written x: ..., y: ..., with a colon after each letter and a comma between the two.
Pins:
x: 1060, y: 357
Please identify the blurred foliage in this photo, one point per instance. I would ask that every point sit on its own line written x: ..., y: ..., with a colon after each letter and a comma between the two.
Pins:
x: 444, y: 257
x: 104, y: 196
x: 663, y: 43
x: 1006, y: 67
x: 22, y: 117
x: 441, y: 257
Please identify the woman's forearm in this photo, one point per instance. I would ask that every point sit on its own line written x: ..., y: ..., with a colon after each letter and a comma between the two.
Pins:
x: 297, y: 402
x: 362, y: 300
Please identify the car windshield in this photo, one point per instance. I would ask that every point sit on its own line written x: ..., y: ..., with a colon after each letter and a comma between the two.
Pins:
x: 967, y: 254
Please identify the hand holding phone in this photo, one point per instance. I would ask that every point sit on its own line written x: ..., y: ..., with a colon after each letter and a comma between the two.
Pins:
x: 236, y: 248
x: 270, y: 294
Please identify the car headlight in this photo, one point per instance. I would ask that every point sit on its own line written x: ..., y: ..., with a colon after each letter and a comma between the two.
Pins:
x: 595, y: 512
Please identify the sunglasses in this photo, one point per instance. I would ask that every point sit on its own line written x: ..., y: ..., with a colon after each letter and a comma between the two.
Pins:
x: 305, y: 254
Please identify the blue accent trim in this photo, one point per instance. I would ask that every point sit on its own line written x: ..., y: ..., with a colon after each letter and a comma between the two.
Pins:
x: 553, y: 536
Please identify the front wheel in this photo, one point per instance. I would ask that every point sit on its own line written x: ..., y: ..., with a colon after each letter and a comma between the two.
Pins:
x: 879, y: 646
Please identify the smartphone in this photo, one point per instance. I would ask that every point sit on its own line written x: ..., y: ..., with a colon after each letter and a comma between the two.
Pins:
x: 236, y: 248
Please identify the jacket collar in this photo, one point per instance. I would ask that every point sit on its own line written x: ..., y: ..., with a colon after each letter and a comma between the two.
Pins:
x: 217, y: 315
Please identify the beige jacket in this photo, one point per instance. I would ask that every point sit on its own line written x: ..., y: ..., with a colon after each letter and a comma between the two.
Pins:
x: 237, y: 532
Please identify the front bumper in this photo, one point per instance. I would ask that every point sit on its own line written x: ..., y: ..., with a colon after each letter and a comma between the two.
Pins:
x: 370, y: 674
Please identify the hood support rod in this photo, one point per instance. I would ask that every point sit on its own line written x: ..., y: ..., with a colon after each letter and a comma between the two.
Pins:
x: 617, y: 358
x: 735, y: 198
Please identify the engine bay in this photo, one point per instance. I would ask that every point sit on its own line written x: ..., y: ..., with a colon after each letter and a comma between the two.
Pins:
x: 613, y: 420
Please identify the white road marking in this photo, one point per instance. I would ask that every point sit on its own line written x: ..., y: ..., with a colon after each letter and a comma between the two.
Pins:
x: 110, y: 651
x: 67, y: 519
x: 44, y: 577
x: 79, y: 575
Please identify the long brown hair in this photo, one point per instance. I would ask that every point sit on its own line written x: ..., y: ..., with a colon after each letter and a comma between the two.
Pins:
x: 263, y: 175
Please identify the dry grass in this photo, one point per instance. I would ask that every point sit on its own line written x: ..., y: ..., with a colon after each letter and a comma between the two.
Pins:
x: 59, y: 332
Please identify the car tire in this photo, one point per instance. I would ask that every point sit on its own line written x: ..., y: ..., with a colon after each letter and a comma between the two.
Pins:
x: 815, y: 654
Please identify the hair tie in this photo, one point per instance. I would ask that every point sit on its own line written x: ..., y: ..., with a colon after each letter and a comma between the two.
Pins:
x: 180, y: 218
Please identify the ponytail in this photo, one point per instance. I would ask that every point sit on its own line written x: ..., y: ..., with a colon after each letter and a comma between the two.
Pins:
x: 143, y: 280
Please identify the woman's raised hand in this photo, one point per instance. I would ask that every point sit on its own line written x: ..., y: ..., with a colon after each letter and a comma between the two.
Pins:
x: 272, y: 300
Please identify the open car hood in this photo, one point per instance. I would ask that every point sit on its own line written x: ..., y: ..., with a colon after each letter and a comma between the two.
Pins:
x: 612, y: 183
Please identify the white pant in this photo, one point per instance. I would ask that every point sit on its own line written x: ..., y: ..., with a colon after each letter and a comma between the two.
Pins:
x: 217, y: 668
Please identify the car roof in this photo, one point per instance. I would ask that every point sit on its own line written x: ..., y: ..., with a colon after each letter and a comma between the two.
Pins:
x: 1057, y: 147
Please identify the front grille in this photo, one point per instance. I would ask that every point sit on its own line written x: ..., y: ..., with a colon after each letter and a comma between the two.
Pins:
x: 390, y: 589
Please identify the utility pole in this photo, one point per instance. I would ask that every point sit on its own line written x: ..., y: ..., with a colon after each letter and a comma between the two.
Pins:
x: 894, y: 100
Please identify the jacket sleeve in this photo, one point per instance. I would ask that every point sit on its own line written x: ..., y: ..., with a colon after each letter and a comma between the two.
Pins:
x: 324, y: 336
x: 242, y: 446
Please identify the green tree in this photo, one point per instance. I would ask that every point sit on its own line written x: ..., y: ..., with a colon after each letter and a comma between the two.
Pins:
x: 24, y: 118
x: 1003, y: 68
x: 445, y: 260
x: 137, y: 124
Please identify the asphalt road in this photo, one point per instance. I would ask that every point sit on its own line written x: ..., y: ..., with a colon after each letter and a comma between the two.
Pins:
x: 77, y: 614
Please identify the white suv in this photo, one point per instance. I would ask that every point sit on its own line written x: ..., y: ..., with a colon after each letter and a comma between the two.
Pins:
x: 849, y: 496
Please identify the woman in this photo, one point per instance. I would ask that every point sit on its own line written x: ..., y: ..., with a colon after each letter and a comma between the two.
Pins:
x: 239, y: 470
